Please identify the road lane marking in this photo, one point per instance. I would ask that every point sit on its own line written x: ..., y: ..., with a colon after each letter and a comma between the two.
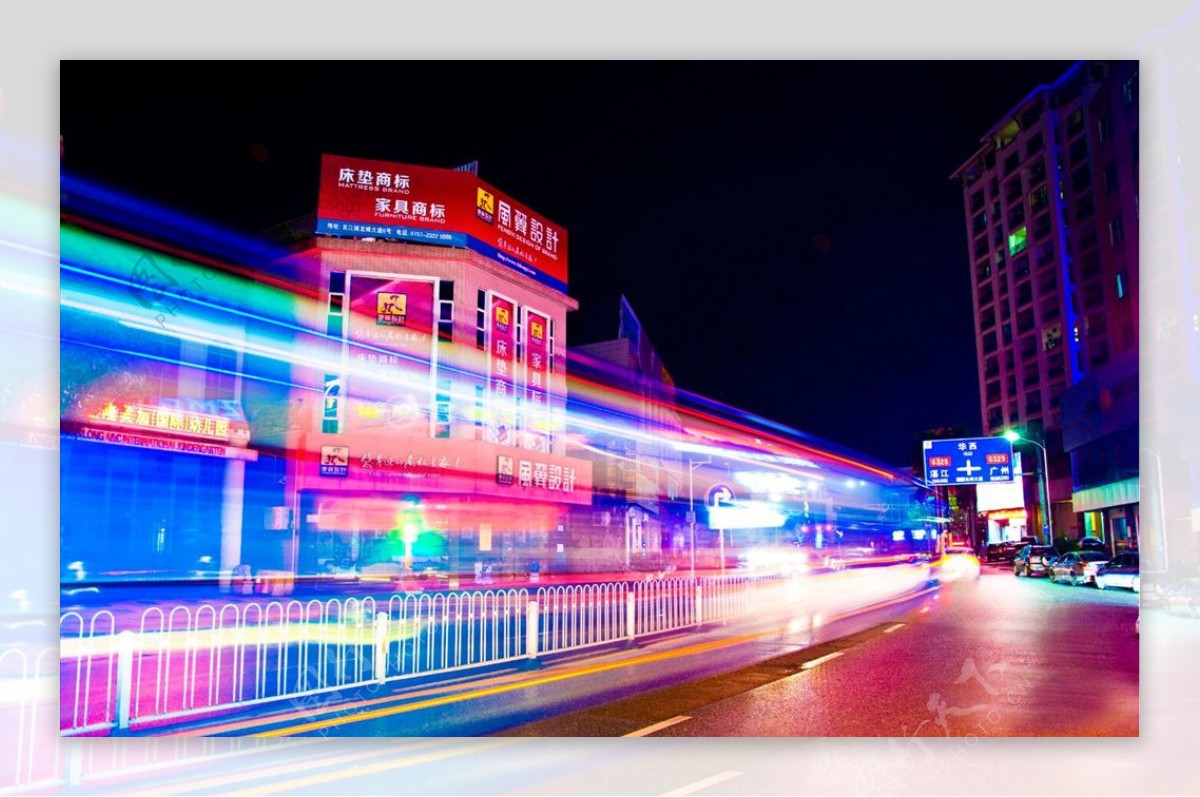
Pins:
x: 291, y: 786
x: 808, y: 665
x: 658, y: 726
x: 895, y: 627
x: 701, y: 784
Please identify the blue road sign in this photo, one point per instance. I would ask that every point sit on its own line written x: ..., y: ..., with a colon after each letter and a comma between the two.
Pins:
x: 974, y: 460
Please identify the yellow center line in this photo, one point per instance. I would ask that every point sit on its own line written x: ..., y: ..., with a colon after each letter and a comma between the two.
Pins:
x: 256, y: 774
x: 512, y: 687
x: 292, y: 786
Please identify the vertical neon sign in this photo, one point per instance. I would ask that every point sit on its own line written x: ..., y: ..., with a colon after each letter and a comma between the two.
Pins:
x: 501, y: 363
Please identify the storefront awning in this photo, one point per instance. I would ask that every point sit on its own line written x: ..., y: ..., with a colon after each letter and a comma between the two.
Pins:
x: 1114, y: 494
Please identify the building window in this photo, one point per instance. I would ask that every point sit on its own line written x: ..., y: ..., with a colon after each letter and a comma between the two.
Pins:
x: 1078, y: 152
x: 1012, y: 190
x: 1051, y: 337
x: 987, y: 319
x: 481, y: 320
x: 1024, y: 294
x: 1016, y: 214
x: 977, y: 201
x: 993, y: 391
x: 989, y: 343
x: 1037, y: 172
x: 1042, y: 226
x: 1011, y: 163
x: 480, y: 411
x: 1017, y: 241
x: 983, y: 272
x: 1093, y: 294
x: 445, y: 311
x: 1081, y: 178
x: 1121, y: 284
x: 1031, y: 375
x: 442, y: 409
x: 979, y: 223
x: 1033, y: 401
x: 1028, y: 348
x: 1025, y: 321
x: 1021, y: 267
x: 1045, y: 254
x: 1075, y: 122
x: 1034, y: 144
x: 1038, y: 199
x: 1050, y: 310
x: 1006, y: 334
x: 1084, y: 207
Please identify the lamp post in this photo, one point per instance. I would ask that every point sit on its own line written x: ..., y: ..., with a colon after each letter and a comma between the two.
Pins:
x: 692, y: 465
x: 1013, y: 437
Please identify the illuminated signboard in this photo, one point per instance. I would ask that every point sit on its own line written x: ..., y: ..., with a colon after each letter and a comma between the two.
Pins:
x: 537, y: 374
x: 396, y: 201
x: 502, y: 340
x: 389, y: 350
x: 172, y: 420
x: 982, y: 460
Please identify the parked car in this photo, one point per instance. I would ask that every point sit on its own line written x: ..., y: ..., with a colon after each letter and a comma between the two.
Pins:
x: 1120, y: 572
x: 1182, y: 596
x: 1034, y: 560
x: 1092, y: 544
x: 1077, y: 567
x: 993, y: 552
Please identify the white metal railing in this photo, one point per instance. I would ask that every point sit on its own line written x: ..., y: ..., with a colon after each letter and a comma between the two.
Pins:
x: 188, y: 660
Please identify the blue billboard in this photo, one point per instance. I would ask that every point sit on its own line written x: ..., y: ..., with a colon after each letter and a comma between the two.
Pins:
x: 974, y: 460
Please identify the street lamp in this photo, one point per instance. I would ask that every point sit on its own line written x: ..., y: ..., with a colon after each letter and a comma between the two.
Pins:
x: 1013, y: 437
x: 692, y: 465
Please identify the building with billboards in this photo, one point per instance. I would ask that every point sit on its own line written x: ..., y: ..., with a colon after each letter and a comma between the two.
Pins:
x: 431, y: 416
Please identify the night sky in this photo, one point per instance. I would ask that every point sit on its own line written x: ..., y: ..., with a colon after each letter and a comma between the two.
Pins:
x: 787, y: 232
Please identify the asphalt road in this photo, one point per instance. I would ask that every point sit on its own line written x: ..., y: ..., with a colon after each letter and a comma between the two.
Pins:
x: 998, y: 656
x: 1013, y: 617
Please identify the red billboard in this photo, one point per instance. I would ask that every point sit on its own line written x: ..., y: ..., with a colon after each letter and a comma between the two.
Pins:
x: 390, y: 339
x: 502, y: 360
x: 537, y: 373
x: 397, y: 201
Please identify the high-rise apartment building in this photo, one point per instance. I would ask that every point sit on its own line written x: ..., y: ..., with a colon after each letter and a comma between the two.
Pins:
x: 1051, y: 201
